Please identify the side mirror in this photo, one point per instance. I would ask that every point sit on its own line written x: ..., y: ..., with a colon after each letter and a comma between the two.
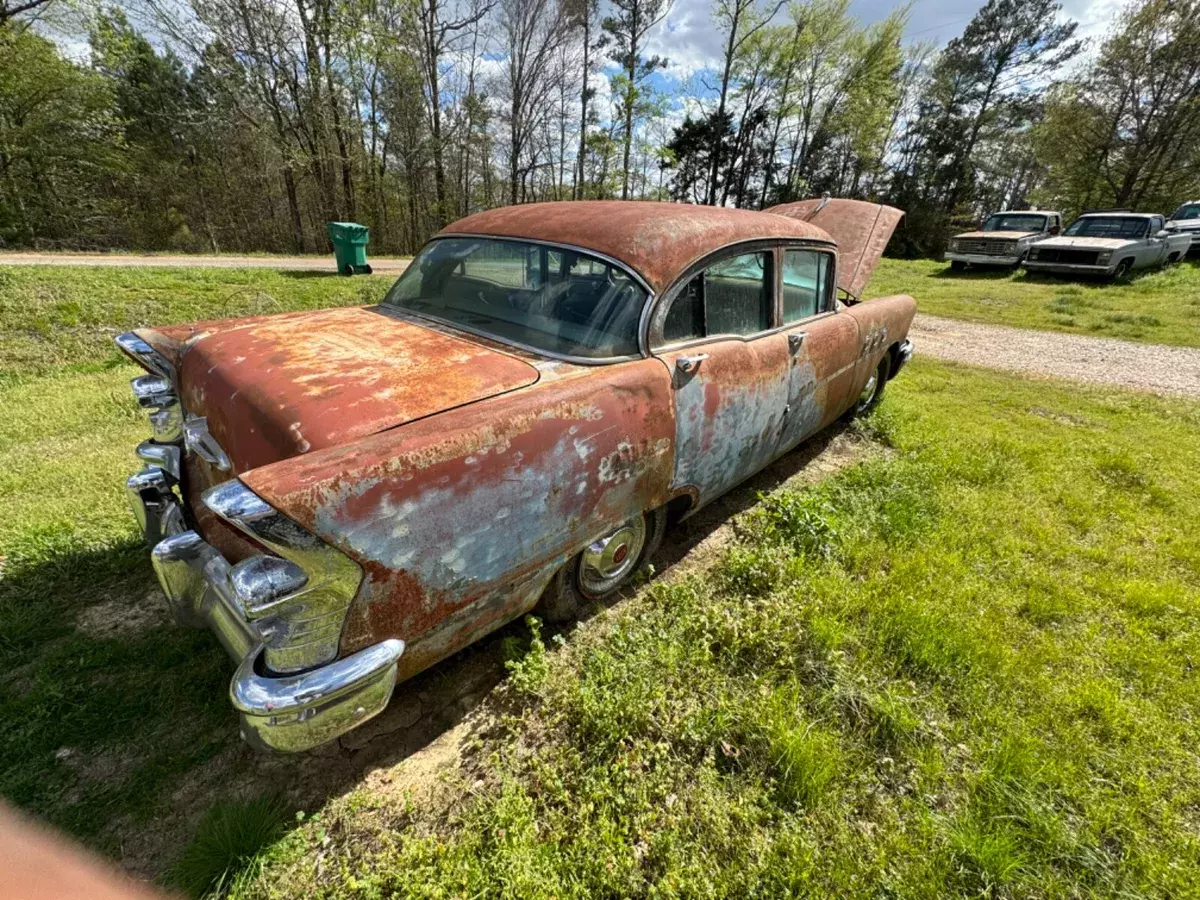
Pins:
x: 1162, y: 234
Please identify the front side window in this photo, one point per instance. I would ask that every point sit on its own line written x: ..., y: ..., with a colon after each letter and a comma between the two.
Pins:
x: 561, y: 301
x: 806, y: 280
x: 1126, y: 227
x: 732, y: 296
x: 1009, y: 222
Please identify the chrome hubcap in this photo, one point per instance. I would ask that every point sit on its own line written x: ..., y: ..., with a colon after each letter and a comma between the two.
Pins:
x: 868, y: 390
x: 608, y: 561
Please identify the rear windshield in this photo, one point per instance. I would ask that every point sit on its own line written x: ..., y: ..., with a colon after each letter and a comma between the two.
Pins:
x: 548, y: 298
x: 1007, y: 222
x: 1187, y: 211
x: 1108, y: 227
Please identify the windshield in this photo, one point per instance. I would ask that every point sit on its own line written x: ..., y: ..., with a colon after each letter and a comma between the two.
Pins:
x: 1006, y: 222
x: 1108, y: 227
x: 557, y: 300
x: 1187, y: 211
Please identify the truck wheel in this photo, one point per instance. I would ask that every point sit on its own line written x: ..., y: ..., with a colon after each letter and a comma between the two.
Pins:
x: 1122, y: 269
x: 957, y: 265
x: 598, y: 573
x: 872, y: 391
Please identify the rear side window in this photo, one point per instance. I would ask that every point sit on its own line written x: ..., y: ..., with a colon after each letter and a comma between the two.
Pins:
x: 732, y: 296
x: 805, y: 283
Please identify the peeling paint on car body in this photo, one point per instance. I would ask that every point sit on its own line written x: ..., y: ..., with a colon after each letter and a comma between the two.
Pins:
x: 450, y: 512
x: 461, y: 473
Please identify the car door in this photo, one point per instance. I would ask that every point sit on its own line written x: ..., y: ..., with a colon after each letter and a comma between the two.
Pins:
x: 822, y: 344
x: 729, y: 365
x: 1146, y: 247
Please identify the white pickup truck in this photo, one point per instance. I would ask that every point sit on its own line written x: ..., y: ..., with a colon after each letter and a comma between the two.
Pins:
x: 1004, y: 240
x: 1186, y: 220
x: 1111, y: 244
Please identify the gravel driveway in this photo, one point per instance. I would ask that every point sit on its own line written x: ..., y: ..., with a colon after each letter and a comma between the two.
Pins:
x: 1148, y: 367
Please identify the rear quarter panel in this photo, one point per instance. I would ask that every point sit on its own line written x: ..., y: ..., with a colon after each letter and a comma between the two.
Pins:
x: 460, y: 519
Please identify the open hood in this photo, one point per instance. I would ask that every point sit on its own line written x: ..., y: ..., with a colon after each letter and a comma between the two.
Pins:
x: 861, y: 229
x: 277, y: 386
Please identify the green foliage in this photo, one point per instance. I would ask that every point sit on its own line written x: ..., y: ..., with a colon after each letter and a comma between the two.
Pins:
x: 527, y: 666
x: 1125, y: 131
x: 229, y: 838
x: 59, y: 141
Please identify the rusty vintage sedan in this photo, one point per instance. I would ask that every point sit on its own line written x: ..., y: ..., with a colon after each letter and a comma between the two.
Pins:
x: 347, y: 496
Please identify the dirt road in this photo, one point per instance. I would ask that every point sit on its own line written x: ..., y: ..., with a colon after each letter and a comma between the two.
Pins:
x: 390, y: 265
x: 1147, y: 367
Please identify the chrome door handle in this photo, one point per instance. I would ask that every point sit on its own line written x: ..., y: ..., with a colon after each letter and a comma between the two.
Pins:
x: 689, y: 364
x: 796, y: 340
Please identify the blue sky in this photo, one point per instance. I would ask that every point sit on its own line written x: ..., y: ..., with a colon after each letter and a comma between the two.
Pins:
x: 692, y: 42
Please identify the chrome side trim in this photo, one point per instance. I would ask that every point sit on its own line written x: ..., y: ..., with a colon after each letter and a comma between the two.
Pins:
x: 301, y: 630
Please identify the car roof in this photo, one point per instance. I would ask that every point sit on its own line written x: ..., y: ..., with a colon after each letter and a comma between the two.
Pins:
x: 656, y: 240
x: 1026, y: 212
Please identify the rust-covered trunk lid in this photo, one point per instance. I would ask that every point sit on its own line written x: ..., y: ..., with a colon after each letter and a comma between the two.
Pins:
x: 273, y: 387
x: 861, y: 229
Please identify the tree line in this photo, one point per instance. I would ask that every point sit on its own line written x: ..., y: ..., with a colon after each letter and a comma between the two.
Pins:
x: 246, y: 125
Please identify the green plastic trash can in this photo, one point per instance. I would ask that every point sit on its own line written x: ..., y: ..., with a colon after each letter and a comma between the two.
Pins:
x: 350, y: 247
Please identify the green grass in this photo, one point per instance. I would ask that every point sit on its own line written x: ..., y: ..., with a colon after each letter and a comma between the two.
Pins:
x: 1156, y: 306
x: 102, y: 724
x: 230, y: 838
x: 965, y: 668
x: 56, y: 318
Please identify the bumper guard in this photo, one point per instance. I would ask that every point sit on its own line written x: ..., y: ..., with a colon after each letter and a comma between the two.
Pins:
x: 287, y: 713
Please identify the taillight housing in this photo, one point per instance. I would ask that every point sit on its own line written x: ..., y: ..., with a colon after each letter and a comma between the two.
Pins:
x: 298, y: 598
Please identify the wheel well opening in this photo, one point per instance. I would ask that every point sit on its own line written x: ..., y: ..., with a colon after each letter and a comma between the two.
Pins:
x: 678, y: 507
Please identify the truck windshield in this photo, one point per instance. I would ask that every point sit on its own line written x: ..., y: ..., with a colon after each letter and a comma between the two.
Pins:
x: 548, y: 298
x: 1108, y: 227
x: 1187, y: 211
x: 1008, y: 222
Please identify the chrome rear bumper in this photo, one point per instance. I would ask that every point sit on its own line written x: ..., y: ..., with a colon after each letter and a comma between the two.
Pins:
x: 288, y: 712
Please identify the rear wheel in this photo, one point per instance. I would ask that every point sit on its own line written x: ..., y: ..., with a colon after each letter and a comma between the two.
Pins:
x: 605, y: 566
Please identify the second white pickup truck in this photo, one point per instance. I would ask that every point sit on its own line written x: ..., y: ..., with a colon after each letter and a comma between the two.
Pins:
x: 1111, y: 244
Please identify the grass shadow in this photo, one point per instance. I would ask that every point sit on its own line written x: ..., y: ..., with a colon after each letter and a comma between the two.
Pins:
x: 975, y: 273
